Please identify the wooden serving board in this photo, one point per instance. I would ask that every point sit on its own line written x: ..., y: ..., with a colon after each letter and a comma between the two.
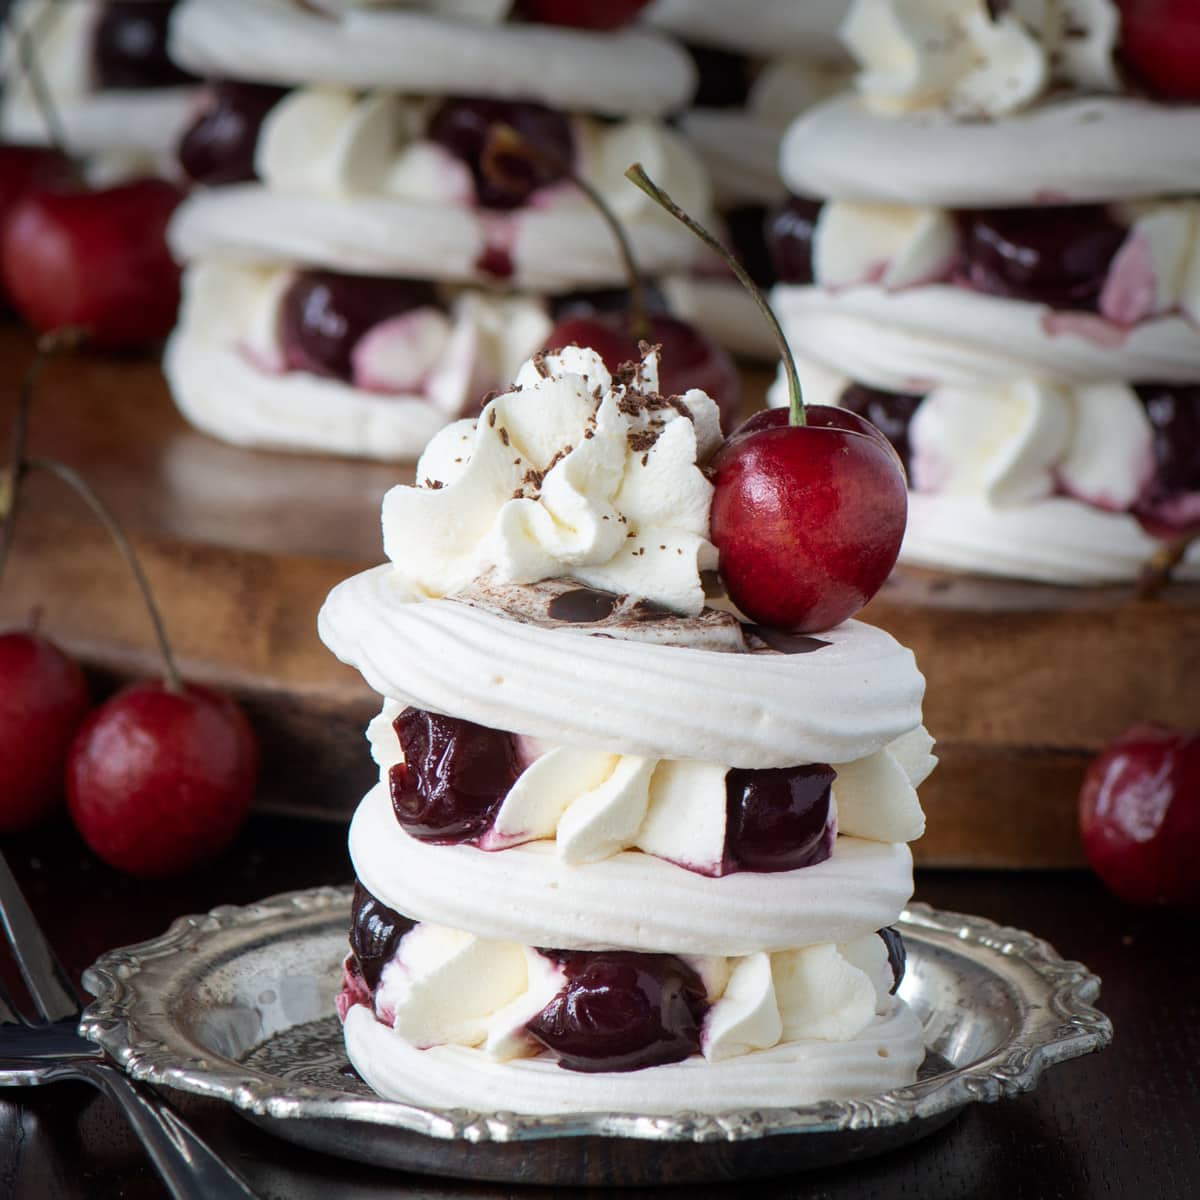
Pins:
x: 241, y: 547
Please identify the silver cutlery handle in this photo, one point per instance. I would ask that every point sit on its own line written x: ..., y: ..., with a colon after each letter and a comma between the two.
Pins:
x: 188, y: 1166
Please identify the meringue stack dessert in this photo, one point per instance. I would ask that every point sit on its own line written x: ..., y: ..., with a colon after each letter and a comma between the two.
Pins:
x: 122, y: 103
x: 1005, y: 276
x: 626, y: 851
x: 365, y: 258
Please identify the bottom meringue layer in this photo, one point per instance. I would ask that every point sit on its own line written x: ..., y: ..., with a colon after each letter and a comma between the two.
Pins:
x: 884, y: 1055
x: 1054, y: 540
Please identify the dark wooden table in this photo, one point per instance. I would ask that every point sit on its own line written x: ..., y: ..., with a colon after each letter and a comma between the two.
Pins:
x: 1125, y: 1122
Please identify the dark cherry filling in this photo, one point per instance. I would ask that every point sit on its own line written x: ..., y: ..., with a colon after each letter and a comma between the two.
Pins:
x: 622, y: 1011
x: 1059, y: 256
x: 219, y: 146
x: 777, y: 819
x: 747, y: 227
x: 375, y: 931
x: 897, y: 955
x: 503, y: 180
x: 890, y: 412
x: 1170, y: 502
x: 580, y: 14
x: 453, y: 778
x: 604, y: 300
x: 789, y: 238
x: 323, y: 314
x: 724, y: 78
x: 129, y: 46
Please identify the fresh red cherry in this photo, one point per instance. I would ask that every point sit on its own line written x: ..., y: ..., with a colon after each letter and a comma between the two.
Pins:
x: 621, y: 1011
x: 581, y: 14
x: 889, y: 412
x: 688, y: 359
x: 1139, y: 816
x: 158, y: 782
x: 24, y: 168
x: 94, y: 259
x: 43, y: 698
x: 807, y: 521
x: 823, y: 415
x: 1160, y: 40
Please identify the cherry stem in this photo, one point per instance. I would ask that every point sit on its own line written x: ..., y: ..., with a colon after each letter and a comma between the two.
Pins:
x: 104, y: 515
x: 57, y: 341
x: 505, y: 140
x: 31, y: 68
x: 636, y: 174
x: 1156, y: 573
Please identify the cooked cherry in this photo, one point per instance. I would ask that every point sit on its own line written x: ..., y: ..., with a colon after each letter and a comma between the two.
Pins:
x: 323, y: 314
x: 890, y: 412
x: 789, y: 236
x: 622, y: 1011
x: 375, y: 931
x: 897, y: 955
x: 1059, y: 256
x: 747, y: 227
x: 1170, y: 502
x: 604, y: 300
x: 580, y: 14
x: 129, y: 47
x: 219, y: 146
x: 464, y: 126
x: 453, y: 778
x: 777, y: 819
x: 723, y: 77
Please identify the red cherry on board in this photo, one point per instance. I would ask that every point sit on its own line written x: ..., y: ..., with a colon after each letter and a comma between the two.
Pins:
x: 1160, y: 40
x: 581, y: 14
x: 43, y: 698
x: 1139, y: 816
x: 807, y: 521
x: 159, y: 783
x: 23, y: 168
x: 94, y: 259
x: 688, y: 359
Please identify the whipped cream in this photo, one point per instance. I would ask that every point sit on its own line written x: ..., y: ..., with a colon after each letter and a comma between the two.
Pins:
x: 763, y: 709
x: 413, y: 373
x: 974, y: 60
x: 884, y: 1055
x: 626, y: 72
x: 446, y: 986
x: 629, y: 901
x: 594, y: 805
x: 916, y: 338
x: 841, y: 149
x: 571, y: 473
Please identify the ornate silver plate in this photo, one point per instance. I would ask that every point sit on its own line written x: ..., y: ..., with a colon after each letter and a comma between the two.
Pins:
x: 238, y: 1005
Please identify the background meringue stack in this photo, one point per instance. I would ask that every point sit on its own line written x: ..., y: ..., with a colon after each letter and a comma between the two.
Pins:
x: 607, y: 723
x: 349, y: 179
x: 1040, y: 397
x: 757, y: 72
x: 121, y: 102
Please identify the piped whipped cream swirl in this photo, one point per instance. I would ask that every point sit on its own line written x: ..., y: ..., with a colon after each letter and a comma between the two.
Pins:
x: 571, y: 473
x: 974, y: 59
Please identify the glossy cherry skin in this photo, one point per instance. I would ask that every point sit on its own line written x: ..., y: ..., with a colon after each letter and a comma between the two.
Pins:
x: 375, y: 932
x: 1139, y: 816
x: 621, y: 1011
x: 323, y: 314
x: 889, y: 412
x: 95, y: 259
x: 777, y: 819
x: 219, y: 145
x: 24, y: 168
x: 129, y: 46
x: 1160, y: 41
x: 807, y: 521
x: 688, y: 359
x: 826, y: 416
x: 1058, y: 256
x: 1170, y: 502
x: 454, y: 776
x: 581, y: 14
x: 159, y: 784
x: 43, y: 699
x: 464, y: 124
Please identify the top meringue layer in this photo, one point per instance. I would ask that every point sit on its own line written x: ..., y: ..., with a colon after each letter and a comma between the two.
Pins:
x: 569, y: 474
